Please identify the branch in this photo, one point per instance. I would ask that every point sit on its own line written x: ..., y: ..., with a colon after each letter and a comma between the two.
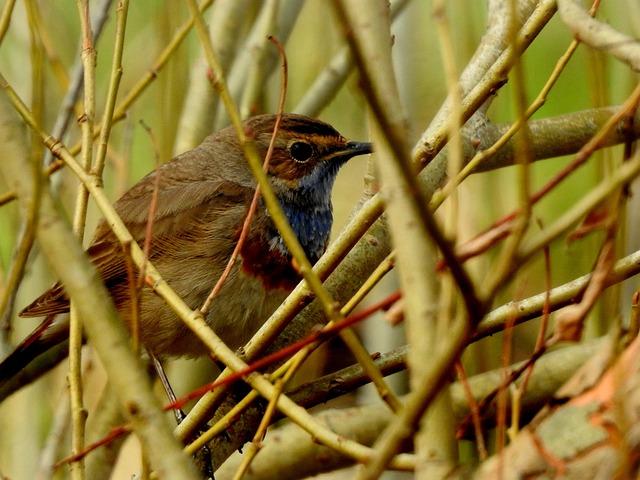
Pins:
x: 200, y: 104
x: 306, y: 458
x: 104, y: 328
x: 599, y: 35
x: 593, y: 435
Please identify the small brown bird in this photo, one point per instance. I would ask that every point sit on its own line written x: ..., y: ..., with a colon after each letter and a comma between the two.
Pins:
x: 203, y: 198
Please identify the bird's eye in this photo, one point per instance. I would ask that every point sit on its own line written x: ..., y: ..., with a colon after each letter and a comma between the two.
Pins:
x: 300, y: 151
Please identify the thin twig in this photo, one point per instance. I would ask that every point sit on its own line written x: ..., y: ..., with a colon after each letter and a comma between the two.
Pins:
x: 475, y: 411
x: 256, y: 196
x: 544, y: 322
x: 74, y: 88
x: 115, y: 433
x: 504, y: 264
x: 193, y: 319
x: 78, y: 412
x: 256, y: 444
x: 112, y: 91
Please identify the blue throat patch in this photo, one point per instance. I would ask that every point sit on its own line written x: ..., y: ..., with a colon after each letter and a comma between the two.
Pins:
x: 309, y: 211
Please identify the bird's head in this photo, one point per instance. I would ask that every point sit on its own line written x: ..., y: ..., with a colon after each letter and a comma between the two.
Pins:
x: 307, y: 155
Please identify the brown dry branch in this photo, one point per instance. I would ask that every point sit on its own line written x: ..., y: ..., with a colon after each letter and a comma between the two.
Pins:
x: 592, y: 433
x: 307, y: 458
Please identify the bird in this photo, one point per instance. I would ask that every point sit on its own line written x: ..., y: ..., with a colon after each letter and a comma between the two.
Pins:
x: 203, y: 196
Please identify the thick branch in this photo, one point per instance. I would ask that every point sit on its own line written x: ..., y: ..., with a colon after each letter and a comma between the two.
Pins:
x: 599, y: 35
x: 305, y: 457
x: 593, y: 435
x: 550, y: 137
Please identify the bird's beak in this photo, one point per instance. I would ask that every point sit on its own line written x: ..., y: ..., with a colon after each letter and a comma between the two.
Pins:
x: 358, y: 148
x: 352, y: 149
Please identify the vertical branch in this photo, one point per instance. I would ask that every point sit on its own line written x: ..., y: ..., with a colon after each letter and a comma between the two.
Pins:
x: 501, y: 273
x: 88, y: 55
x: 78, y: 413
x: 200, y: 105
x: 68, y: 103
x: 368, y: 32
x: 112, y: 93
x: 26, y: 235
x: 89, y: 63
x: 437, y: 433
x: 258, y: 71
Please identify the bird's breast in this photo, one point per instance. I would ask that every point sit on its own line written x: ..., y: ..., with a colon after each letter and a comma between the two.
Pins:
x: 271, y: 266
x: 265, y: 255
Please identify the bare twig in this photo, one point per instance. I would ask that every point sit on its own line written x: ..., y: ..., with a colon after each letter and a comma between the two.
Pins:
x: 78, y: 412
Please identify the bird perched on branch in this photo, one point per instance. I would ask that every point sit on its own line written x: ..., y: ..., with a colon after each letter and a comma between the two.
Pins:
x: 203, y: 197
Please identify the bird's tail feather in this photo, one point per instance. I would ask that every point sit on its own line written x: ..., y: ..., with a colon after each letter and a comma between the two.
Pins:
x: 38, y: 353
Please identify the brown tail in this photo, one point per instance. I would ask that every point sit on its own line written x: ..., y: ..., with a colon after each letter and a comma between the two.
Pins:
x: 28, y: 361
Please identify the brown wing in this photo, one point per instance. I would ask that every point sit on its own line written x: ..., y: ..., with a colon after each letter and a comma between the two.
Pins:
x: 180, y: 206
x: 51, y: 302
x: 55, y: 301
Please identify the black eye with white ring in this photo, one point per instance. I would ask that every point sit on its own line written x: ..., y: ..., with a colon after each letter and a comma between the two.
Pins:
x: 300, y: 151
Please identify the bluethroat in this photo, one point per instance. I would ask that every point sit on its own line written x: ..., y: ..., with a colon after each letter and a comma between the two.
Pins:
x: 203, y: 198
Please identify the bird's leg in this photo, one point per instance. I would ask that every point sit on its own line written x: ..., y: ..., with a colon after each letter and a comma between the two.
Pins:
x: 179, y: 414
x: 203, y: 456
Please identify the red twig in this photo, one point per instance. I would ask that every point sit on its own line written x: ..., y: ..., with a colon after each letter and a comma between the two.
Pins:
x: 546, y: 310
x: 179, y: 403
x: 503, y: 397
x: 479, y: 244
x: 475, y: 411
x: 502, y: 227
x: 254, y: 201
x: 115, y: 433
x: 316, y: 336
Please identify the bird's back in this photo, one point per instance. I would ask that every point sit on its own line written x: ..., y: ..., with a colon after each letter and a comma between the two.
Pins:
x: 202, y: 199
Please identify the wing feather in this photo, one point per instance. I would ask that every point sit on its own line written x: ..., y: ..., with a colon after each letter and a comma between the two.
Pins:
x: 180, y: 209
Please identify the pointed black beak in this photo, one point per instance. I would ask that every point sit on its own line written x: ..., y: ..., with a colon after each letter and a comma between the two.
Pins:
x: 359, y: 148
x: 351, y: 149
